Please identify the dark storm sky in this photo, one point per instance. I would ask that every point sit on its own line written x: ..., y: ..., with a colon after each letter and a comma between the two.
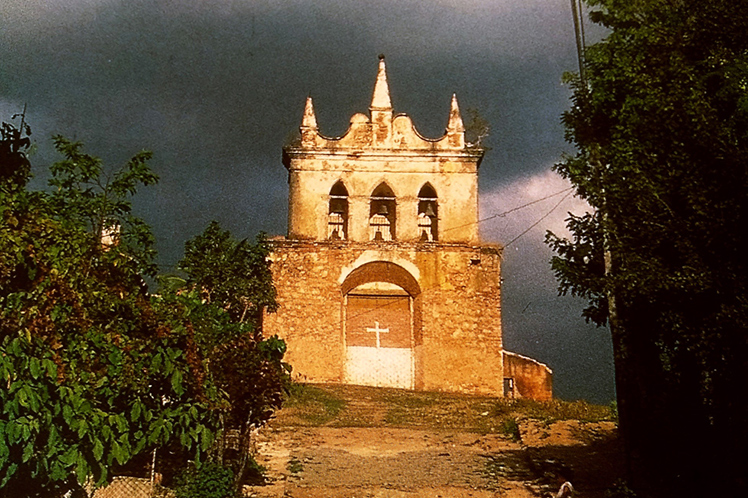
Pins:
x: 215, y: 88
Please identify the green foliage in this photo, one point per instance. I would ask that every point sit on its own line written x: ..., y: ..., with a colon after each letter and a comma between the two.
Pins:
x: 209, y: 480
x: 97, y: 372
x: 234, y: 281
x: 231, y: 272
x: 83, y: 200
x: 93, y: 373
x: 14, y: 165
x: 231, y: 286
x: 555, y: 409
x: 477, y: 128
x: 661, y: 128
x: 614, y: 410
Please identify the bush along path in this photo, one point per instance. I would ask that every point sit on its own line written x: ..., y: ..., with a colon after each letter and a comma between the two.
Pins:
x: 350, y: 441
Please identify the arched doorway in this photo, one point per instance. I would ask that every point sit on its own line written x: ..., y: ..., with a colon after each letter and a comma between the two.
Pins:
x: 381, y: 326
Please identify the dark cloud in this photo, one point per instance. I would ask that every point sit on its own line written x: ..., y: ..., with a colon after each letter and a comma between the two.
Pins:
x: 215, y: 88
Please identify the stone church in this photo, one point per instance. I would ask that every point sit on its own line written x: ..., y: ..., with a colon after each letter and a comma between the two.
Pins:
x: 382, y: 279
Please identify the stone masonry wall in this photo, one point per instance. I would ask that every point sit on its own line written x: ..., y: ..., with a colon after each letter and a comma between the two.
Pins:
x: 458, y: 345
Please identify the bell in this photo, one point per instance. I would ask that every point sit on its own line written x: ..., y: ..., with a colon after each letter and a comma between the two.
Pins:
x: 382, y: 209
x: 337, y: 206
x: 430, y: 210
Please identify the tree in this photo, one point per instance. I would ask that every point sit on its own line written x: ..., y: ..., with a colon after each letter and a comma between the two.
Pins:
x: 234, y: 279
x: 235, y: 274
x: 14, y: 165
x: 661, y: 128
x: 93, y: 372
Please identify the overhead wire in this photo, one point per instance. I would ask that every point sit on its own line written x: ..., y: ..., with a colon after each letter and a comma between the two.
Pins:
x: 501, y: 215
x: 538, y: 222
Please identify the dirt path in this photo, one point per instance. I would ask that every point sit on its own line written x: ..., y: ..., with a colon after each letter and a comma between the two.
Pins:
x: 405, y: 462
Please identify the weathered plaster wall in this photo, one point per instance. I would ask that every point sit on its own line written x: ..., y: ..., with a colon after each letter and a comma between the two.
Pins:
x: 532, y: 379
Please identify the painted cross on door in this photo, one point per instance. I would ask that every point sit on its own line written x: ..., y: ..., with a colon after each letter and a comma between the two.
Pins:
x: 381, y: 355
x: 377, y: 331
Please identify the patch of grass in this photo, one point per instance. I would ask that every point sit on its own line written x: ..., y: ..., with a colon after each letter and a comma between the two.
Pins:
x: 614, y: 410
x: 553, y: 410
x: 510, y: 427
x: 312, y: 405
x: 358, y: 406
x: 295, y: 466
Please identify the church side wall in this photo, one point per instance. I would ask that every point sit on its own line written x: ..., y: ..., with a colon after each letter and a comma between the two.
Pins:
x: 459, y: 346
x: 309, y: 312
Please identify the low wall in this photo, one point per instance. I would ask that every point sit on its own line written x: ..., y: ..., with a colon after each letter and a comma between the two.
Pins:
x: 530, y: 378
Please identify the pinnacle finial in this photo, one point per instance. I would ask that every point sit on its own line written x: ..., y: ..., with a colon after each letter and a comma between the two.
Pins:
x: 455, y: 124
x: 310, y: 119
x: 381, y: 98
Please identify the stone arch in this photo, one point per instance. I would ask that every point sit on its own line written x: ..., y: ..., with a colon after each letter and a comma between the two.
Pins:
x: 427, y: 191
x: 382, y: 326
x: 381, y: 271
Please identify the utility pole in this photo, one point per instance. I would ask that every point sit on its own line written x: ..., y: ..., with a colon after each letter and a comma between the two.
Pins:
x: 576, y: 13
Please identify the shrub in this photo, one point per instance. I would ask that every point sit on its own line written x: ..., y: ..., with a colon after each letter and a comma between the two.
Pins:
x: 210, y: 480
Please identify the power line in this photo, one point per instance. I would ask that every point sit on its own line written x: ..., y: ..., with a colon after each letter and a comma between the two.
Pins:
x: 501, y: 215
x: 538, y: 222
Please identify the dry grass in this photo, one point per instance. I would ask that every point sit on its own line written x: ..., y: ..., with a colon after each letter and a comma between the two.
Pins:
x: 357, y: 406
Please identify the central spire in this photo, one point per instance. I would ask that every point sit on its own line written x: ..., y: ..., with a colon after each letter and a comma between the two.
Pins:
x: 381, y: 98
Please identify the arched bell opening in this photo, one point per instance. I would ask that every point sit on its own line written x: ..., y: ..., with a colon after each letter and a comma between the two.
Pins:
x: 382, y: 214
x: 337, y: 216
x: 428, y: 214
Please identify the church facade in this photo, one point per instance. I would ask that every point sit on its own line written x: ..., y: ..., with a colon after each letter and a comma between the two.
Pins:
x: 382, y: 279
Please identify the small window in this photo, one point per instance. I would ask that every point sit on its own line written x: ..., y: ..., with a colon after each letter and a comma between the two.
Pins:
x: 428, y: 218
x: 509, y: 388
x: 382, y: 217
x: 337, y: 214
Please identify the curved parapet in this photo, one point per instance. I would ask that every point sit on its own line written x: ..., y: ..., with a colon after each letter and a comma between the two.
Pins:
x: 400, y: 135
x: 382, y: 130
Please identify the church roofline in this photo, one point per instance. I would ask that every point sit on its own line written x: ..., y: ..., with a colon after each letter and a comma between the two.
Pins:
x: 483, y: 247
x: 383, y: 131
x: 425, y: 155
